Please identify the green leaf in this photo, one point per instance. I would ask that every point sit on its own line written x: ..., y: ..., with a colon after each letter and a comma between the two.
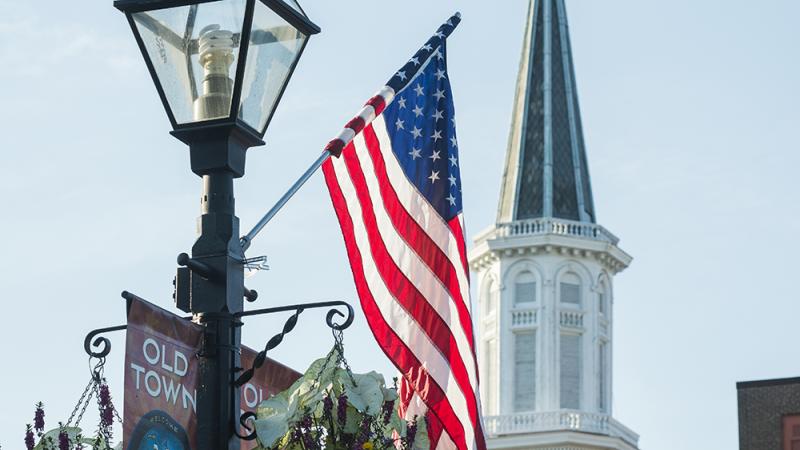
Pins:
x: 353, y: 419
x: 72, y: 432
x: 421, y: 441
x: 272, y: 419
x: 271, y: 429
x: 396, y: 423
x: 367, y: 394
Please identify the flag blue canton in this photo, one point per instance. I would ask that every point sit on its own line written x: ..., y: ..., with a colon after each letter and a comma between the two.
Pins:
x: 421, y: 125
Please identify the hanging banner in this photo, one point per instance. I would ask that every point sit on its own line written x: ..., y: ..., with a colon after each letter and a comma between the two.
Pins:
x: 161, y: 378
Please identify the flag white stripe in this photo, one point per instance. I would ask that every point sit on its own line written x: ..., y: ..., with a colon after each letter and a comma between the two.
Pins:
x: 445, y: 442
x: 420, y: 210
x: 403, y: 324
x: 417, y: 272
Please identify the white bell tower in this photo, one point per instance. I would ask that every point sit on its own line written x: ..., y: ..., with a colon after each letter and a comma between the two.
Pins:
x: 545, y: 269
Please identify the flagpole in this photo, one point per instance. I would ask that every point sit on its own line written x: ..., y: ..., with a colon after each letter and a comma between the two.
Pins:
x: 248, y: 238
x: 371, y: 110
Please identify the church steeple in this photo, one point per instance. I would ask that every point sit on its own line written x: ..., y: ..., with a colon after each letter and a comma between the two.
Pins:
x: 546, y: 173
x: 545, y: 270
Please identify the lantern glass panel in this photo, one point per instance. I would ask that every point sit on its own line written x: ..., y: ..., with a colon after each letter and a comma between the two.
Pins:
x: 194, y: 51
x: 275, y: 46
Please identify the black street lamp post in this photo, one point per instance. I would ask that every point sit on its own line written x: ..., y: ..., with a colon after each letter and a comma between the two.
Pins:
x: 220, y: 68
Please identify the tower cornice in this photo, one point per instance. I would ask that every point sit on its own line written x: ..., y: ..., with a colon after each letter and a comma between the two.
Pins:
x: 548, y: 236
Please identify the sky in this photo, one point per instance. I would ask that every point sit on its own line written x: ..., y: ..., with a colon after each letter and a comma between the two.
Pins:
x: 690, y: 115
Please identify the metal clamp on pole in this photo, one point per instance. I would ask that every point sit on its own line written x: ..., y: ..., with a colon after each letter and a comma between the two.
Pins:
x: 204, y: 271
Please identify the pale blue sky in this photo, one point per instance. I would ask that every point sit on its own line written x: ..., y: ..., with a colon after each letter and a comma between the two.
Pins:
x: 691, y: 119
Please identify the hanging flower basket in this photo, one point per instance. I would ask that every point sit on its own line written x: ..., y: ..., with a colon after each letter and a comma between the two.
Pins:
x: 68, y: 435
x: 331, y: 408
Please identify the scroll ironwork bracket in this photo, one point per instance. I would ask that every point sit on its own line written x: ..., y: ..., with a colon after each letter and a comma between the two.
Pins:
x: 289, y: 325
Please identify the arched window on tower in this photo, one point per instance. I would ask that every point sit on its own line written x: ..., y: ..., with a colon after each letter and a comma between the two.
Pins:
x: 602, y: 381
x: 491, y: 299
x: 570, y: 289
x: 524, y: 289
x: 570, y: 294
x: 489, y: 377
x: 602, y: 299
x: 570, y: 367
x: 523, y: 321
x: 524, y: 371
x: 488, y: 367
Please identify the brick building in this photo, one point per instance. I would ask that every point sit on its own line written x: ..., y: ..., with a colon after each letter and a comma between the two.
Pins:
x: 769, y: 414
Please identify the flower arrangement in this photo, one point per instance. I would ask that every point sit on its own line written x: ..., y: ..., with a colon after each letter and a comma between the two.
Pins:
x: 67, y: 437
x: 331, y: 408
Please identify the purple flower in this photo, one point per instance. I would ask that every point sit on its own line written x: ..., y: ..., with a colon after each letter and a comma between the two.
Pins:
x: 297, y: 435
x: 305, y: 422
x: 38, y: 418
x: 63, y: 440
x: 29, y: 440
x: 388, y: 408
x: 341, y: 410
x: 411, y: 433
x: 327, y: 406
x: 308, y: 440
x: 106, y: 407
x: 105, y: 395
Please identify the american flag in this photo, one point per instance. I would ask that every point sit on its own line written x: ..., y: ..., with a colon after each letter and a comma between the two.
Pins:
x: 396, y: 189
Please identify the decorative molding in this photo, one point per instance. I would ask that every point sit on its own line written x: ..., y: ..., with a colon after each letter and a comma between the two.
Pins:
x: 566, y: 420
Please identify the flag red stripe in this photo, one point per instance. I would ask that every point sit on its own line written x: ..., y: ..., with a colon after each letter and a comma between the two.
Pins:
x: 416, y: 237
x: 394, y: 348
x: 404, y: 291
x: 455, y: 227
x: 434, y: 430
x: 419, y: 209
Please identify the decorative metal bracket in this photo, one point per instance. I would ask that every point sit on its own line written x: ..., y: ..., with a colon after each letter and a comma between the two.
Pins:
x: 103, y: 343
x: 289, y: 325
x: 99, y: 347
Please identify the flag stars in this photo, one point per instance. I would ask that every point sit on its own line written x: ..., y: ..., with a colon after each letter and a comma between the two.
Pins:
x: 429, y: 156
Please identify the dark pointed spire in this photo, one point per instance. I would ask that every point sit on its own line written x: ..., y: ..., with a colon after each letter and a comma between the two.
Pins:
x: 546, y: 173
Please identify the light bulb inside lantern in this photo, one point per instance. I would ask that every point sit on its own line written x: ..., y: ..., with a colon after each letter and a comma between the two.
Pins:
x: 215, y: 49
